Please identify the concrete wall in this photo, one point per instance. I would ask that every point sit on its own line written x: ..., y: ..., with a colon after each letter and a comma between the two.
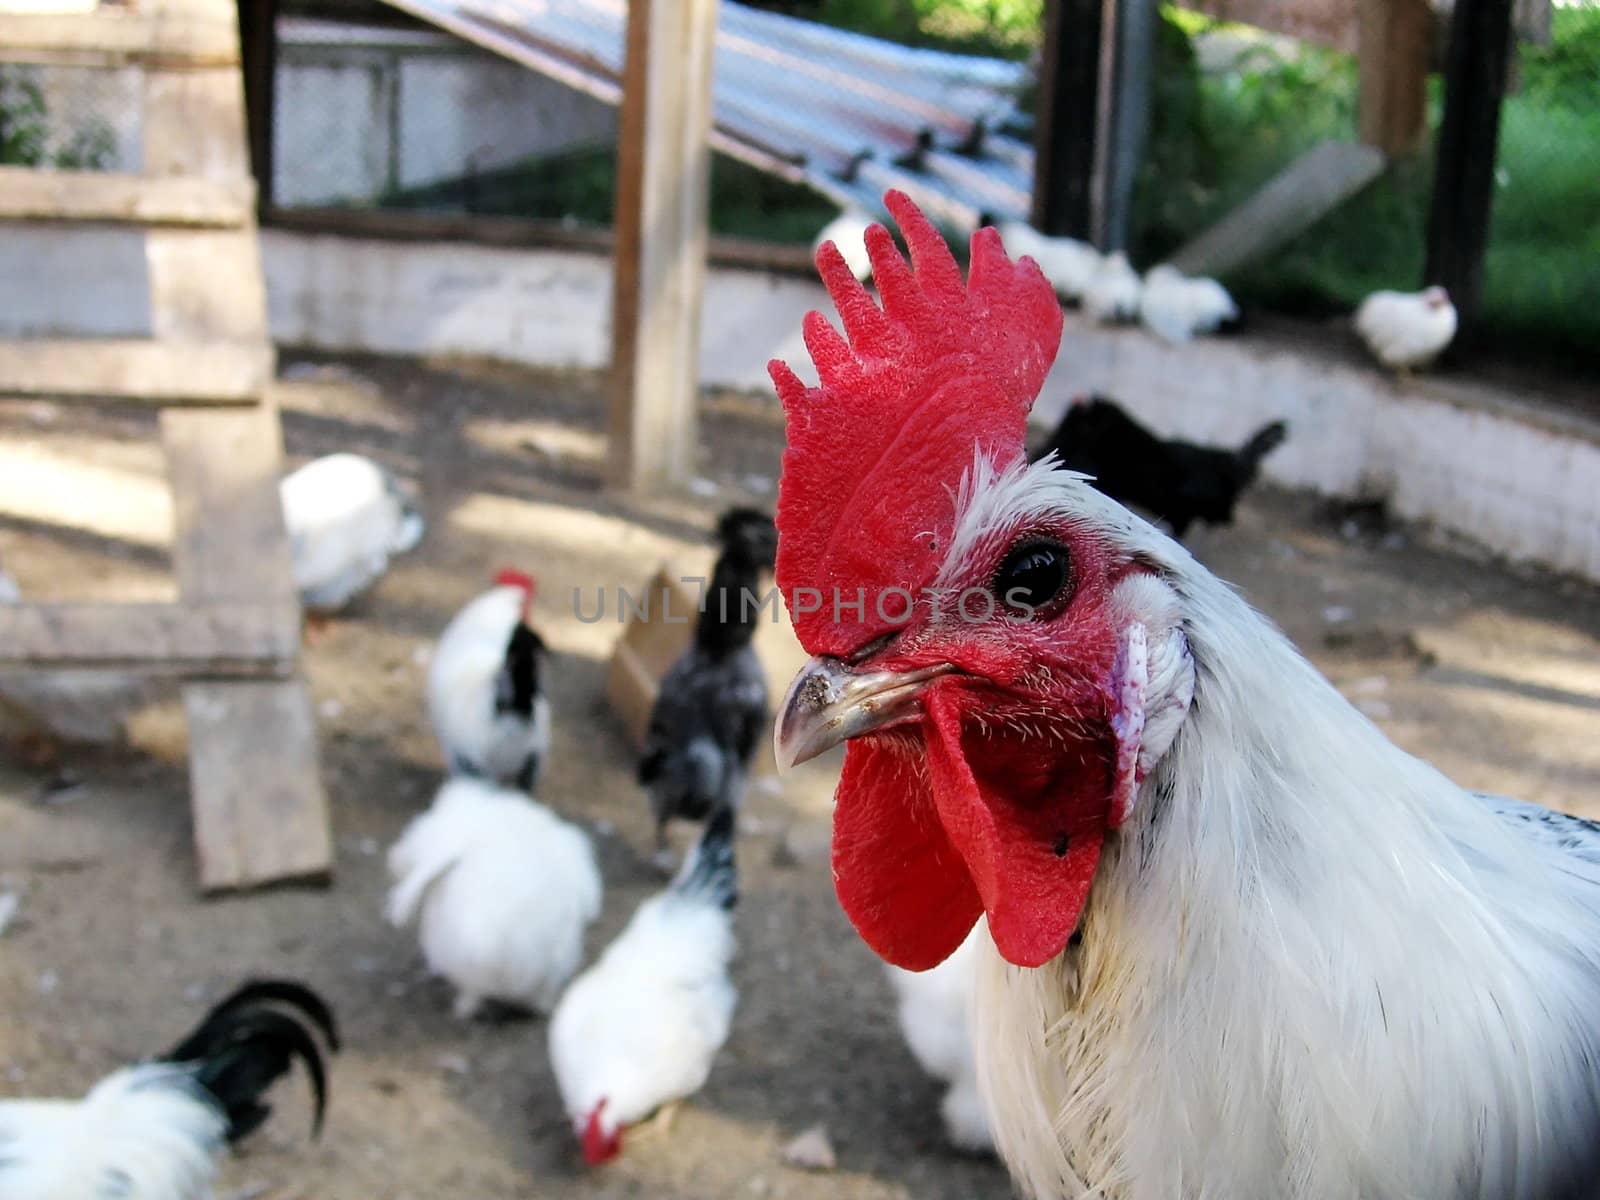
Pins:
x: 1478, y: 466
x: 361, y: 110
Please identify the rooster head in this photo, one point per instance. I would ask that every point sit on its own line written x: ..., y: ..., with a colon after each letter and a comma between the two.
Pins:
x: 1005, y: 665
x: 521, y: 580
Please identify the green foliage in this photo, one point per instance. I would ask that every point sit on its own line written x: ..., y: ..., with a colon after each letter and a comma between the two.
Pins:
x: 1000, y: 28
x: 25, y: 131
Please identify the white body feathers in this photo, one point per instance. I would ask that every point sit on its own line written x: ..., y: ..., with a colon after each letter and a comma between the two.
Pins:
x: 1311, y: 966
x: 1067, y: 263
x: 473, y: 736
x: 1112, y: 293
x: 144, y: 1133
x: 848, y: 231
x: 346, y: 518
x: 1176, y: 307
x: 502, y: 891
x: 1406, y: 329
x: 935, y: 1010
x: 642, y: 1026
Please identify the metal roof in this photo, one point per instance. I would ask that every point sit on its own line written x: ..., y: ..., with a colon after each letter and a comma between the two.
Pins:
x: 846, y: 114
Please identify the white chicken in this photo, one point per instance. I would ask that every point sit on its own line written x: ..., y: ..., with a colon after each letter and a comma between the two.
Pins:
x: 1067, y: 263
x: 153, y: 1131
x: 935, y: 1010
x: 1244, y: 945
x: 1112, y: 293
x: 846, y: 231
x: 642, y: 1026
x: 502, y: 891
x: 1407, y: 330
x: 1176, y: 307
x: 346, y: 517
x: 484, y: 696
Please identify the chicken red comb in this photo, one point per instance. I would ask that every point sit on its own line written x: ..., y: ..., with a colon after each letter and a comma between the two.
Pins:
x: 511, y: 577
x: 907, y: 394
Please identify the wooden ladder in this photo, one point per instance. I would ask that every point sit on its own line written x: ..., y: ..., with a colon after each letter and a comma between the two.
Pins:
x: 233, y: 636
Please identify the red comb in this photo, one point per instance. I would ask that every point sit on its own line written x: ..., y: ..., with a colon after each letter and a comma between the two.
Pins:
x: 907, y: 393
x: 511, y: 577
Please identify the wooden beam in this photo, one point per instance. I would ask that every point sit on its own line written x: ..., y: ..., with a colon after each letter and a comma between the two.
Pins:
x: 161, y: 373
x: 1395, y: 56
x: 1463, y: 176
x: 1128, y: 33
x: 663, y: 171
x: 112, y: 36
x: 1330, y: 23
x: 258, y: 48
x: 236, y: 638
x: 30, y: 195
x: 1291, y: 202
x: 1065, y: 118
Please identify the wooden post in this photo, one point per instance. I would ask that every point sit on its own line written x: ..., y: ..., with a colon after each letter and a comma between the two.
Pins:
x: 663, y: 172
x: 1065, y: 118
x: 258, y: 49
x: 1128, y: 51
x: 1396, y: 49
x: 1463, y: 178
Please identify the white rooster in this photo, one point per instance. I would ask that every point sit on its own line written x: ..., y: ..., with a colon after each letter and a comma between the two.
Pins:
x: 845, y: 231
x: 346, y: 517
x: 1067, y: 263
x: 502, y: 891
x: 153, y: 1131
x: 1245, y: 946
x: 935, y: 1011
x: 1112, y: 293
x: 642, y: 1026
x: 1176, y: 307
x: 1407, y: 330
x: 484, y: 696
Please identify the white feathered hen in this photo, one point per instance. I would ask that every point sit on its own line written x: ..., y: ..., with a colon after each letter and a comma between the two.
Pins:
x: 1245, y: 946
x: 153, y: 1131
x: 1067, y: 263
x: 346, y: 517
x: 484, y: 696
x: 1406, y: 330
x: 1176, y: 307
x: 935, y: 1011
x: 1112, y: 293
x: 642, y: 1026
x: 501, y: 890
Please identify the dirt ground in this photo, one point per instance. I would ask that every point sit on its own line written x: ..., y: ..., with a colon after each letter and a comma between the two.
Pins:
x: 1493, y: 674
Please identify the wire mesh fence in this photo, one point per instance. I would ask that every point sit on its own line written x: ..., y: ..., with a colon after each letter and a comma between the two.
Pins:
x: 69, y: 117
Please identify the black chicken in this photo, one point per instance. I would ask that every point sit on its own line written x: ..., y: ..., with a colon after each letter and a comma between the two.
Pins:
x: 1174, y: 480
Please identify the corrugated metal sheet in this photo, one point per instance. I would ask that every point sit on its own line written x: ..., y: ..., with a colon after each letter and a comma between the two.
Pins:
x: 848, y: 115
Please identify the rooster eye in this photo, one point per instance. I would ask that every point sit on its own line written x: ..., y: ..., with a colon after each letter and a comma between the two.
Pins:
x: 1032, y: 575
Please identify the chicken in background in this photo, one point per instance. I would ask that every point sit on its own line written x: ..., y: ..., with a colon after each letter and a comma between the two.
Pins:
x: 1177, y: 481
x: 711, y: 708
x: 641, y: 1027
x: 484, y: 696
x: 346, y: 517
x: 1112, y: 293
x: 153, y: 1131
x: 1240, y: 939
x: 935, y: 1011
x: 1407, y: 330
x: 1067, y: 263
x: 502, y: 891
x: 1176, y: 307
x: 845, y: 231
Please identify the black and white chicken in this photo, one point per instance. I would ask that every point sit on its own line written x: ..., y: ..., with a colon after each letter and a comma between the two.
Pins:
x: 153, y: 1131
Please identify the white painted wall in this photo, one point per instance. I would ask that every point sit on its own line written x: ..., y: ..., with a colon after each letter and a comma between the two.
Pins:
x: 1512, y: 483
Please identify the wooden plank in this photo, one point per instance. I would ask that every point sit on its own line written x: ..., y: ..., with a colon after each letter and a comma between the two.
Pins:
x: 194, y: 125
x: 1297, y: 198
x: 231, y: 638
x: 136, y: 370
x: 1394, y: 59
x: 664, y: 162
x: 30, y: 195
x: 115, y: 36
x: 1469, y: 134
x: 1329, y: 23
x: 1065, y: 121
x: 260, y: 814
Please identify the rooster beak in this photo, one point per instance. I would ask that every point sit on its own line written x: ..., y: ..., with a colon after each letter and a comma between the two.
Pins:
x: 829, y: 703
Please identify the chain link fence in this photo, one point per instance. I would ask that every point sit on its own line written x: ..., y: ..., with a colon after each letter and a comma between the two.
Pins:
x: 80, y: 118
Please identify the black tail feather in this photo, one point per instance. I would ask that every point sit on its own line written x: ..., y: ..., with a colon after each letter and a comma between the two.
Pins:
x: 710, y: 870
x: 245, y: 1045
x: 1262, y: 443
